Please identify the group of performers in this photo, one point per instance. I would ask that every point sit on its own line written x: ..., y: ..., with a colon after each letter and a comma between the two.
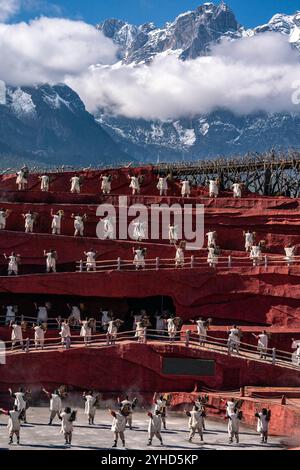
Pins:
x: 122, y: 416
x: 135, y: 184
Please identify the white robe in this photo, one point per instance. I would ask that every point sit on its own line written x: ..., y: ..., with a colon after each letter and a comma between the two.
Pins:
x: 237, y: 190
x: 162, y: 185
x: 211, y: 239
x: 290, y: 254
x: 186, y: 188
x: 154, y: 426
x: 139, y: 259
x: 263, y: 342
x: 135, y: 185
x: 50, y: 262
x: 14, y: 423
x: 66, y: 424
x: 56, y: 223
x: 2, y: 220
x: 42, y: 315
x: 196, y: 422
x: 75, y: 185
x: 79, y: 224
x: 21, y: 178
x: 16, y: 334
x: 91, y: 260
x: 29, y: 221
x: 85, y: 331
x: 179, y: 258
x: 39, y: 334
x: 106, y: 185
x: 20, y: 401
x: 10, y: 314
x: 90, y: 408
x: 45, y: 181
x: 119, y: 423
x: 262, y: 423
x: 13, y: 264
x: 112, y: 329
x: 233, y: 424
x: 249, y: 240
x: 65, y: 331
x: 172, y: 329
x: 213, y: 188
x: 212, y: 257
x: 55, y: 403
x: 173, y: 233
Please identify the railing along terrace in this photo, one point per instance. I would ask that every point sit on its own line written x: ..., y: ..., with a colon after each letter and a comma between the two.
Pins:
x: 208, y: 343
x: 220, y: 262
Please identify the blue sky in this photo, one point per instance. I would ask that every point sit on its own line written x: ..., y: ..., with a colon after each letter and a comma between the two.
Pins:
x: 249, y: 13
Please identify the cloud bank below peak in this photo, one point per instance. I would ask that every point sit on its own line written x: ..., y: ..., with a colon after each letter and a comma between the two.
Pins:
x: 244, y: 76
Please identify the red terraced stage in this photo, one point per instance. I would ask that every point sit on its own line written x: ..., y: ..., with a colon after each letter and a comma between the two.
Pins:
x: 256, y: 298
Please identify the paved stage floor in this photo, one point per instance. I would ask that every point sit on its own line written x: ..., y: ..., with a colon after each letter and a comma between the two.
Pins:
x: 37, y: 435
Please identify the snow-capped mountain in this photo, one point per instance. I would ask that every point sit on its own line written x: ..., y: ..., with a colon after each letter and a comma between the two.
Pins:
x: 50, y: 125
x: 191, y: 35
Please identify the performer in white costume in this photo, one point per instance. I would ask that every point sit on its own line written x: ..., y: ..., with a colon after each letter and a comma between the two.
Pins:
x: 14, y: 423
x: 65, y: 333
x: 195, y: 423
x: 237, y: 190
x: 140, y: 332
x: 75, y: 316
x: 234, y: 340
x: 45, y: 183
x: 162, y: 186
x: 256, y: 255
x: 154, y: 427
x: 13, y: 263
x: 160, y: 406
x: 179, y: 257
x: 79, y: 221
x: 10, y: 314
x: 262, y: 345
x: 290, y: 253
x: 212, y: 258
x: 105, y: 184
x: 55, y: 404
x: 22, y: 179
x: 126, y: 408
x: 91, y: 260
x: 75, y: 184
x: 172, y: 329
x: 20, y: 401
x: 263, y: 421
x: 135, y: 185
x: 30, y: 219
x: 139, y: 258
x: 51, y: 259
x: 108, y: 228
x: 118, y: 427
x: 173, y: 234
x: 249, y: 240
x: 91, y: 402
x: 56, y: 222
x: 213, y: 188
x: 211, y: 238
x: 234, y: 426
x: 67, y: 418
x: 4, y: 214
x: 139, y: 232
x: 16, y: 335
x: 39, y: 336
x: 86, y: 332
x: 185, y: 188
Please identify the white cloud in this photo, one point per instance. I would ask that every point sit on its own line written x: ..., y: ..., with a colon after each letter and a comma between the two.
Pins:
x: 9, y: 8
x: 248, y: 75
x: 48, y: 49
